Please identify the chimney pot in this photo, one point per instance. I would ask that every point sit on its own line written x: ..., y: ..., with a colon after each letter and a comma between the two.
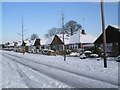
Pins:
x: 83, y: 32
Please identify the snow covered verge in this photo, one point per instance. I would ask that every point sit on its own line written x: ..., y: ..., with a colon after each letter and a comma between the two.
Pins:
x: 36, y: 70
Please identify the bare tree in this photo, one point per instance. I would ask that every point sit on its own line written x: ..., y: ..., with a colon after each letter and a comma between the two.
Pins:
x: 72, y: 26
x: 69, y: 28
x: 34, y: 36
x: 22, y: 34
x: 53, y: 31
x: 47, y: 35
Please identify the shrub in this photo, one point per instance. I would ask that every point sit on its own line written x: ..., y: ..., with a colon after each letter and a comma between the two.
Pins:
x: 97, y: 50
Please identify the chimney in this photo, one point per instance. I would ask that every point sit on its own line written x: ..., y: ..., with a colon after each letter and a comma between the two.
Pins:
x: 38, y: 39
x: 83, y: 32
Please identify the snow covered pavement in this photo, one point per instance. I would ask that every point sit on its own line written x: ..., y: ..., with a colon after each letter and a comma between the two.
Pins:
x: 41, y: 71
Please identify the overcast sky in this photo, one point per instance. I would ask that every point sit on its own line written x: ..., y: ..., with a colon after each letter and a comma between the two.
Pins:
x: 39, y: 17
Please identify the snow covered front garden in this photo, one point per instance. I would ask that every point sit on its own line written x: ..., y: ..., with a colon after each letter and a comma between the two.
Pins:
x: 43, y: 71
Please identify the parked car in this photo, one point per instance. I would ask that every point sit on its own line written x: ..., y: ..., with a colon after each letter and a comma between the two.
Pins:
x: 83, y: 56
x: 47, y: 51
x: 118, y: 58
x: 94, y: 55
x: 87, y: 53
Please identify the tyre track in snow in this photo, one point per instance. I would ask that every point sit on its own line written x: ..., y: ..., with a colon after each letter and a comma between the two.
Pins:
x: 80, y: 74
x: 43, y: 72
x: 34, y: 84
x: 45, y: 81
x: 13, y: 70
x: 30, y: 83
x: 24, y: 77
x: 48, y: 74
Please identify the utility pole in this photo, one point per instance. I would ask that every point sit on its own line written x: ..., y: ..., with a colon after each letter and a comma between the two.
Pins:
x: 104, y: 34
x: 83, y: 29
x: 83, y: 22
x: 63, y: 37
x: 22, y: 36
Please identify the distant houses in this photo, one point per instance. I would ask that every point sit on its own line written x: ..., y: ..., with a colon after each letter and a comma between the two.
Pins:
x: 112, y: 39
x: 28, y: 45
x: 75, y: 42
x: 80, y: 41
x: 33, y: 45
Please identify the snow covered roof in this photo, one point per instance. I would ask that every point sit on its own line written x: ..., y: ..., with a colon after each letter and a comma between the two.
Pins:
x: 43, y: 40
x: 29, y: 42
x: 47, y: 41
x: 115, y: 26
x: 19, y: 43
x: 76, y: 38
x: 11, y: 44
x: 81, y: 38
x: 66, y: 38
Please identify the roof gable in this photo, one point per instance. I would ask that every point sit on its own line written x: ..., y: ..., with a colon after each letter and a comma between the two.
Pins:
x: 56, y: 41
x: 112, y: 35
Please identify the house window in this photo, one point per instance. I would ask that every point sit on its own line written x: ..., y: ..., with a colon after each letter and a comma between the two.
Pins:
x: 75, y: 45
x: 61, y: 47
x: 67, y: 47
x: 70, y: 46
x: 108, y: 47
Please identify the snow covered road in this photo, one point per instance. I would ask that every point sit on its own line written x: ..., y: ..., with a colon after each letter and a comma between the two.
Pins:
x: 34, y: 71
x: 16, y: 75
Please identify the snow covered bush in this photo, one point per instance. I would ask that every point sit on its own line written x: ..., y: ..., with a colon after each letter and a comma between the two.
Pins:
x: 74, y: 54
x: 83, y: 56
x: 97, y: 50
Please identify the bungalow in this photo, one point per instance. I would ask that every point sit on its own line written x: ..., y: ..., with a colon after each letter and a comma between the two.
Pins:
x: 19, y: 46
x: 81, y: 40
x: 55, y: 42
x: 112, y: 39
x: 33, y: 45
x: 11, y: 45
x: 66, y: 41
x: 45, y: 42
